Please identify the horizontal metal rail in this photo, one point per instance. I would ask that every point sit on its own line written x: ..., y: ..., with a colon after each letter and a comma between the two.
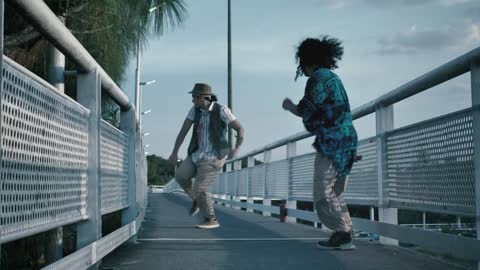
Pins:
x: 448, y: 71
x: 93, y: 253
x: 46, y: 22
x: 458, y: 246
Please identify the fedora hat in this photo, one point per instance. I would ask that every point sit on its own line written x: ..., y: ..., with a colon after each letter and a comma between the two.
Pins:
x: 201, y: 89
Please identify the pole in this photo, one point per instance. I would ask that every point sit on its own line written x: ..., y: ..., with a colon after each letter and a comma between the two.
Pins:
x: 475, y: 80
x: 140, y: 106
x: 230, y: 137
x: 56, y: 68
x: 137, y: 86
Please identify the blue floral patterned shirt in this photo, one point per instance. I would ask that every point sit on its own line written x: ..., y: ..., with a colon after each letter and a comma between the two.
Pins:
x: 325, y: 111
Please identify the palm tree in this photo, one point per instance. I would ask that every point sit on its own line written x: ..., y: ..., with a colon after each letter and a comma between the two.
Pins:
x: 108, y: 29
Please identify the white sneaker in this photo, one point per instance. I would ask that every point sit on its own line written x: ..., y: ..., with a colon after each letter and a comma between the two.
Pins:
x: 209, y: 224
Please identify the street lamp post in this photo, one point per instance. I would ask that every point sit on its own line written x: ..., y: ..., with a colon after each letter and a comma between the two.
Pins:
x: 137, y: 85
x: 137, y: 75
x: 141, y: 84
x: 229, y: 38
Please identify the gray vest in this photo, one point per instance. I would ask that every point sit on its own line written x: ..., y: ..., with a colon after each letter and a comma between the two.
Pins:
x: 217, y: 133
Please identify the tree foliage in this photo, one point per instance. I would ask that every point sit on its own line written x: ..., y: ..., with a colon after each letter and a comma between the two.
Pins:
x: 160, y: 170
x: 110, y: 30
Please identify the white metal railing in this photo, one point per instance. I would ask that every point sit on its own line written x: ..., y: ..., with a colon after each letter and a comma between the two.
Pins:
x: 60, y: 163
x: 432, y: 166
x: 113, y: 168
x: 44, y: 144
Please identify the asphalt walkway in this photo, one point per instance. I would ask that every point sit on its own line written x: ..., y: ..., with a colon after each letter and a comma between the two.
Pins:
x: 168, y: 240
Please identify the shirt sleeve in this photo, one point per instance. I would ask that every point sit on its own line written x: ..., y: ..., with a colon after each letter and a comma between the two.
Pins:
x: 191, y: 114
x: 227, y: 115
x: 315, y: 95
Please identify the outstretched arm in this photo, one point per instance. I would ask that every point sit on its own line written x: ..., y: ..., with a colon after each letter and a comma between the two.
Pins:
x: 180, y: 137
x: 240, y: 135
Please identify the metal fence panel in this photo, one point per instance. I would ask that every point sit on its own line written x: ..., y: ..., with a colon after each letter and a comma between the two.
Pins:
x: 277, y: 180
x: 44, y: 139
x: 222, y: 184
x: 430, y: 165
x: 114, y: 168
x: 301, y: 185
x: 231, y: 186
x: 256, y: 180
x: 362, y: 185
x: 242, y: 183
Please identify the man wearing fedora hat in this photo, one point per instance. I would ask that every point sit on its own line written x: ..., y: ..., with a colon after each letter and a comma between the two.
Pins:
x: 207, y: 151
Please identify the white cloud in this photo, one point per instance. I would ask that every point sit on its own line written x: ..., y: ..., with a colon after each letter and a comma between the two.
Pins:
x: 421, y: 40
x: 473, y: 35
x: 384, y: 3
x: 270, y: 55
x: 332, y: 4
x: 453, y: 2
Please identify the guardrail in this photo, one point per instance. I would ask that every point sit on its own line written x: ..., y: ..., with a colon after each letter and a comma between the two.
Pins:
x: 431, y: 166
x: 60, y: 163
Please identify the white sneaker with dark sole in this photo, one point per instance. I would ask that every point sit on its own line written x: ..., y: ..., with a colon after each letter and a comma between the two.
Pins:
x: 208, y: 224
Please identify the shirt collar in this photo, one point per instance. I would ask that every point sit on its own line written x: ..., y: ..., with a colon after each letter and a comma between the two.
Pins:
x: 210, y: 108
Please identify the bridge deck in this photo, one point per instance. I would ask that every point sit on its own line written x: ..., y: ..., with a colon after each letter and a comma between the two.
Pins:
x: 169, y: 240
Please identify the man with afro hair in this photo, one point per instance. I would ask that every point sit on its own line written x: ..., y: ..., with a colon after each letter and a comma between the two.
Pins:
x: 325, y: 112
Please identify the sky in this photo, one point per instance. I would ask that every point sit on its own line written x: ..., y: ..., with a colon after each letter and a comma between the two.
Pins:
x: 386, y: 44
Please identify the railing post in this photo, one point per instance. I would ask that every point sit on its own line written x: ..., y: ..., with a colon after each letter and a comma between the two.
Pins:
x: 291, y: 204
x: 141, y: 180
x: 55, y: 73
x: 88, y: 94
x: 225, y: 195
x: 237, y: 167
x: 127, y: 125
x: 267, y: 157
x: 384, y: 123
x: 250, y: 164
x: 475, y: 73
x: 424, y: 220
x: 56, y: 65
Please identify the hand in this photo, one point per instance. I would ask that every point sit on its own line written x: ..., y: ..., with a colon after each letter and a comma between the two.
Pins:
x: 173, y: 158
x: 287, y: 104
x: 233, y: 153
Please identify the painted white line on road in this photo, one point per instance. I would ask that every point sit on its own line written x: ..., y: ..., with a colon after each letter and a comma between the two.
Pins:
x: 229, y: 239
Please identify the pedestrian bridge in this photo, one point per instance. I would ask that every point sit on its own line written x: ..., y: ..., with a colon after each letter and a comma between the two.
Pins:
x: 168, y: 239
x: 65, y: 171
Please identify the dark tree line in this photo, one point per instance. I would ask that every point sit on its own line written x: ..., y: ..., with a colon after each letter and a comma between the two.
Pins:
x: 160, y: 170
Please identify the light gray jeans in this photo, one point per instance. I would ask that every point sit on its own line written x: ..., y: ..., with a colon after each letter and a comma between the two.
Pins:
x: 205, y: 172
x: 327, y: 190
